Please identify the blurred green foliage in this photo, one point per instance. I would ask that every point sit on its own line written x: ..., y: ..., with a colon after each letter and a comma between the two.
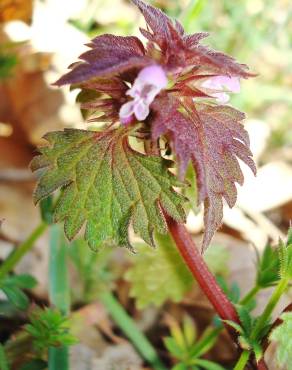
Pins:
x: 49, y: 328
x: 186, y: 348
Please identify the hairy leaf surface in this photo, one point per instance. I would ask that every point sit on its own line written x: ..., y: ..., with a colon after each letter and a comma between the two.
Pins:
x: 212, y: 137
x: 106, y: 184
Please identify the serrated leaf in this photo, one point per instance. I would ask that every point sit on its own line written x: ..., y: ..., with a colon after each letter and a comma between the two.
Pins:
x: 108, y: 55
x: 106, y: 184
x: 212, y: 138
x: 158, y: 275
x: 282, y: 335
x: 285, y: 257
x: 245, y: 318
x: 268, y: 267
x: 180, y: 49
x: 49, y: 328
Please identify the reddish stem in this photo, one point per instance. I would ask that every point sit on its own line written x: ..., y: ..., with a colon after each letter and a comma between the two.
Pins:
x: 262, y: 365
x: 202, y: 274
x: 205, y: 278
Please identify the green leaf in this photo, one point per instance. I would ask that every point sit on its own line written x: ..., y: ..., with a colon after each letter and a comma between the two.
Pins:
x: 177, y: 333
x: 285, y: 256
x: 206, y: 342
x: 189, y: 330
x: 191, y: 191
x: 232, y: 292
x: 289, y: 236
x: 3, y: 359
x: 208, y: 365
x: 16, y: 296
x: 173, y: 347
x: 106, y: 184
x: 47, y: 209
x: 245, y: 318
x: 282, y: 335
x: 217, y: 258
x: 235, y: 326
x: 268, y: 268
x: 158, y: 274
x: 49, y: 328
x: 36, y: 364
x: 24, y: 281
x: 7, y: 63
x: 180, y: 367
x: 93, y: 271
x: 258, y: 351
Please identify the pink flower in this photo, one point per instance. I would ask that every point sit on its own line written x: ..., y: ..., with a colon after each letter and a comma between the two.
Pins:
x: 149, y: 82
x: 220, y: 86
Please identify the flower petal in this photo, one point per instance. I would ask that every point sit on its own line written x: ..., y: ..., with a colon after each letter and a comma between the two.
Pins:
x: 141, y: 110
x: 232, y: 84
x: 221, y: 98
x: 126, y: 110
x: 153, y: 75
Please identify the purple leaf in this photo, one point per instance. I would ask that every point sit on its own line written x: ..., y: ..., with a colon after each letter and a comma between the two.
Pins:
x: 212, y: 137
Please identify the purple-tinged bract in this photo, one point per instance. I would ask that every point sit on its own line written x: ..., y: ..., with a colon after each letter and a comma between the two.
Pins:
x: 180, y: 104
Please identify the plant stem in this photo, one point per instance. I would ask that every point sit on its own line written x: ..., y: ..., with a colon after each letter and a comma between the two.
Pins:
x: 261, y: 365
x: 59, y: 291
x: 3, y: 359
x: 265, y: 316
x: 16, y: 255
x: 200, y: 271
x: 250, y: 295
x: 242, y: 361
x: 130, y: 329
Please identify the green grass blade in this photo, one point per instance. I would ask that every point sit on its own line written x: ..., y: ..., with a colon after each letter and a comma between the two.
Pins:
x: 59, y: 291
x: 3, y: 359
x: 132, y: 332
